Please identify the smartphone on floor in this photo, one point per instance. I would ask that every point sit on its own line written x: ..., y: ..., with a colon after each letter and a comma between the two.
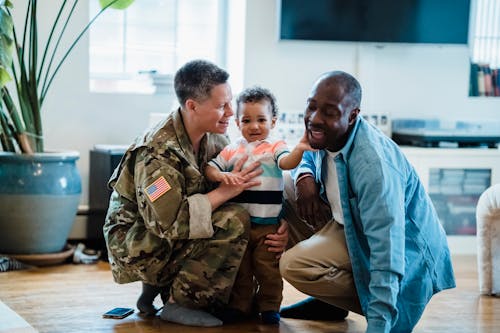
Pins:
x: 118, y: 313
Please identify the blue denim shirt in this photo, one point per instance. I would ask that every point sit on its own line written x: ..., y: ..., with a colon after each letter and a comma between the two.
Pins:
x: 398, y: 248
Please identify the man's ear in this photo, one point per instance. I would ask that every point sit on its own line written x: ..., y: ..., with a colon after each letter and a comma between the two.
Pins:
x: 190, y: 104
x: 353, y: 115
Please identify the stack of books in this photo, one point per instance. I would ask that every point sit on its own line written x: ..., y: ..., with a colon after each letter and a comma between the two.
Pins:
x: 484, y: 80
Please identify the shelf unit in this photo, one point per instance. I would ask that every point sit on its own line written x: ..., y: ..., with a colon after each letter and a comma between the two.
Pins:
x: 454, y: 179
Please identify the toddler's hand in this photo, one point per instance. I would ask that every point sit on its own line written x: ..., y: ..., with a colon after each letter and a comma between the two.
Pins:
x: 231, y: 178
x: 304, y: 143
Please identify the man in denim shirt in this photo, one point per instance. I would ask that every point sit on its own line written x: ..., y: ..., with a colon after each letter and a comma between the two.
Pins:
x: 367, y: 238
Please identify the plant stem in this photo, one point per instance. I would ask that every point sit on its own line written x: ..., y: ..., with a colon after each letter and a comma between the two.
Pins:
x: 26, y: 19
x: 32, y: 85
x: 46, y: 49
x: 21, y: 87
x: 47, y: 71
x: 7, y: 143
x: 16, y: 128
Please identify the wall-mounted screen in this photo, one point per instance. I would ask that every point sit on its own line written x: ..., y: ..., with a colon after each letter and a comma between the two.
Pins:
x: 385, y: 21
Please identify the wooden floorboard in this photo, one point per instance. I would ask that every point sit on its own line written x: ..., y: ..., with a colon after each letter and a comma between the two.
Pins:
x: 72, y: 298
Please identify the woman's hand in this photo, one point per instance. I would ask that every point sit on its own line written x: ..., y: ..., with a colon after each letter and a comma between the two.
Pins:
x: 245, y: 177
x: 227, y: 191
x: 310, y: 206
x: 231, y: 178
x: 278, y: 241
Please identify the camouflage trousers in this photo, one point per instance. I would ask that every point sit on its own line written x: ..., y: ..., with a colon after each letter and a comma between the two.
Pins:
x: 197, y: 273
x: 204, y: 270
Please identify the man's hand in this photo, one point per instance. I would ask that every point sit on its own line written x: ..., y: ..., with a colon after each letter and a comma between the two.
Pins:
x: 310, y: 206
x: 277, y: 242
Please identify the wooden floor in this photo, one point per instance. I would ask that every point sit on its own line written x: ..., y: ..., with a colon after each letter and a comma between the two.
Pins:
x: 72, y: 298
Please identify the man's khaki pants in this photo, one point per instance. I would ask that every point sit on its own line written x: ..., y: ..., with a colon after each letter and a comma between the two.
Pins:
x: 318, y: 264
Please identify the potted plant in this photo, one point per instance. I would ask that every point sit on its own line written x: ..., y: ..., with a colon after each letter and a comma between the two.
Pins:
x: 39, y: 190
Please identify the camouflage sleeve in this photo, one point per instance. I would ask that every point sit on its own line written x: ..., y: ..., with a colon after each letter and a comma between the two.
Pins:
x: 162, y: 195
x: 200, y: 212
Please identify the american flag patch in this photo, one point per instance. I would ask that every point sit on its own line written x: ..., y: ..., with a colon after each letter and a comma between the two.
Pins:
x: 158, y: 188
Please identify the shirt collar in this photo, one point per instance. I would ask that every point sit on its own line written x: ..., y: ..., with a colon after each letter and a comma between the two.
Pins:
x: 346, y: 150
x: 180, y: 130
x: 184, y: 141
x: 242, y: 140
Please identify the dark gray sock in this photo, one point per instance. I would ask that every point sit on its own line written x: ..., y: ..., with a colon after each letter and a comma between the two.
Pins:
x: 146, y: 299
x: 181, y: 315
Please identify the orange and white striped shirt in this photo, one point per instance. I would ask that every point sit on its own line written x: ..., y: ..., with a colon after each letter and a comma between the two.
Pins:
x: 263, y: 202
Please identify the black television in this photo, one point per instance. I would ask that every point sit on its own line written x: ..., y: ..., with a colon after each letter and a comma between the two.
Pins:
x: 381, y: 21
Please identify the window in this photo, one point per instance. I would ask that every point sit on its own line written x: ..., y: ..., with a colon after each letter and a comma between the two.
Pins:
x: 485, y: 48
x: 485, y: 44
x: 139, y: 49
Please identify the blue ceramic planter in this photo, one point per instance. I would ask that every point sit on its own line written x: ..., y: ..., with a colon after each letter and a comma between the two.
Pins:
x: 39, y: 197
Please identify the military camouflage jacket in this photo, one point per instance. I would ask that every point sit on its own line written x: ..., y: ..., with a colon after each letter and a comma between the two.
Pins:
x: 158, y: 198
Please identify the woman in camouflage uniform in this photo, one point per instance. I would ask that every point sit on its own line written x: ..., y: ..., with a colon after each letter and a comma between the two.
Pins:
x: 166, y: 225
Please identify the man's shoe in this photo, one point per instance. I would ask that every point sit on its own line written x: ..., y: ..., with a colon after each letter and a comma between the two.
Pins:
x: 313, y: 309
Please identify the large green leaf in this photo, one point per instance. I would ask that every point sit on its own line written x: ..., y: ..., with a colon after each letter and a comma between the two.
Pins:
x: 6, y: 42
x: 5, y: 3
x: 5, y: 20
x: 6, y: 23
x: 116, y: 4
x: 4, y: 76
x: 6, y: 51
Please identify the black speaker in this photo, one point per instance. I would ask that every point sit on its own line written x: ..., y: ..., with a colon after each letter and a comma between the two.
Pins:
x: 103, y: 161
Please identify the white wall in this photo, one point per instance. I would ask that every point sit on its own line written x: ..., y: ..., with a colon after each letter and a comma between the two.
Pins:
x: 409, y: 80
x: 403, y: 80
